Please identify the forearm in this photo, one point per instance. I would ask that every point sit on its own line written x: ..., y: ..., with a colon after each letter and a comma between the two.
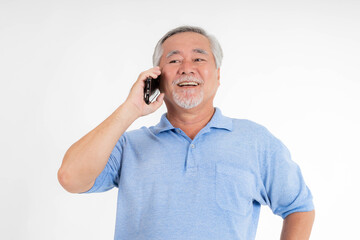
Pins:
x: 297, y: 226
x: 86, y: 158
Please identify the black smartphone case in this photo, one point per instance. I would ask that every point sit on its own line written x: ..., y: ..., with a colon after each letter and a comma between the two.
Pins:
x: 151, y: 89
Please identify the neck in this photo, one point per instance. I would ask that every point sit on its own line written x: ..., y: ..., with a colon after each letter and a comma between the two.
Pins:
x: 191, y: 121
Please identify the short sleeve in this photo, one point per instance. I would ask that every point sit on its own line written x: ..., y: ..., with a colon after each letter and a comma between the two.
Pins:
x: 285, y: 186
x: 110, y: 176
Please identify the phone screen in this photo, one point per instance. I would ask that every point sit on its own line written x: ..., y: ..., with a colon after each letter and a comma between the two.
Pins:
x: 151, y: 89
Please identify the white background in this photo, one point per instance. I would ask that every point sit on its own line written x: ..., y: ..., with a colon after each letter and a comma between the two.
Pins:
x: 292, y: 66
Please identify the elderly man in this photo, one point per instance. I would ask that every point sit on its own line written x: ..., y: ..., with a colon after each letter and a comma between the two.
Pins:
x: 197, y: 174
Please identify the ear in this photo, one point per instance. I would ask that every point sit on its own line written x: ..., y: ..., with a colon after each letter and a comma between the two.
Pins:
x: 218, y: 75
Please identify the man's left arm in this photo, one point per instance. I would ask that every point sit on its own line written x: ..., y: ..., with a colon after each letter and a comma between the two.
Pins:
x: 297, y: 226
x: 287, y: 193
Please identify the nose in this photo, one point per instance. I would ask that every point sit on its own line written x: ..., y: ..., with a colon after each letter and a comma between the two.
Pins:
x: 186, y: 67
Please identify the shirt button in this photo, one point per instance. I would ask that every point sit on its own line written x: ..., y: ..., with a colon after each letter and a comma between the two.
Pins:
x: 178, y: 130
x: 192, y: 146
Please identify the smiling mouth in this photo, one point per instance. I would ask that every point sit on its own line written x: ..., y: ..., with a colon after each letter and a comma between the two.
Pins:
x: 188, y: 84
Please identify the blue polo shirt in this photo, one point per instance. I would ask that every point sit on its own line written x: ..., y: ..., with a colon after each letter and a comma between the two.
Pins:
x: 211, y: 187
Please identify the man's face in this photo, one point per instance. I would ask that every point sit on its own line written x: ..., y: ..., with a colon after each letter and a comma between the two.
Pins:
x: 189, y: 76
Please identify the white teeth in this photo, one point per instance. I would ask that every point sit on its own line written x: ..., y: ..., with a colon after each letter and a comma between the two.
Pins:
x: 188, y: 84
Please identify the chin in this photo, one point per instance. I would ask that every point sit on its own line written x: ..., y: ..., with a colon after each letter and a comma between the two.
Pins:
x: 188, y: 102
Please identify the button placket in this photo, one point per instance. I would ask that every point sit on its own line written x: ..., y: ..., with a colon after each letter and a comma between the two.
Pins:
x: 191, y: 163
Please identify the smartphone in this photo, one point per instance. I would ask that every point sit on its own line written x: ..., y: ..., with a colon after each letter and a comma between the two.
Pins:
x: 151, y: 89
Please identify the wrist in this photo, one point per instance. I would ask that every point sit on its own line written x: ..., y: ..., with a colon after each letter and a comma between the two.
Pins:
x: 130, y: 110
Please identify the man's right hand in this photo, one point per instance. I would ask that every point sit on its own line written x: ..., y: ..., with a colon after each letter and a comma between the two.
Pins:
x: 136, y: 95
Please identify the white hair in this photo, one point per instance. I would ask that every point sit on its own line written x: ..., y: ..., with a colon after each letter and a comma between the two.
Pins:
x: 214, y: 44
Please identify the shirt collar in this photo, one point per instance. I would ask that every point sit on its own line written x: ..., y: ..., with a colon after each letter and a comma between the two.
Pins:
x: 217, y: 121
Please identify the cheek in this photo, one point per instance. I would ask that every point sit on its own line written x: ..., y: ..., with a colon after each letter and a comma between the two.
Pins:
x: 165, y: 82
x: 208, y: 74
x: 168, y: 74
x: 169, y: 70
x: 205, y: 72
x: 212, y: 80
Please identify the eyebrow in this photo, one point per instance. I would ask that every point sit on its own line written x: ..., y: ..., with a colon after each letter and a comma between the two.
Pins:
x: 199, y: 50
x: 196, y: 50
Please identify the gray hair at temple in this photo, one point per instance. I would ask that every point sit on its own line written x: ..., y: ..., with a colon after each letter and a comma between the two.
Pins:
x: 214, y: 44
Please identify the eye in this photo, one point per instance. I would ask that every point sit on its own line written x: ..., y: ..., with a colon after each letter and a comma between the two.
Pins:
x: 174, y: 61
x: 199, y: 60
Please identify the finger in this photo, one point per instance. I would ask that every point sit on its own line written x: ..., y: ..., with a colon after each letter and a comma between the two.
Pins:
x: 153, y: 70
x: 160, y: 98
x: 159, y: 101
x: 153, y: 75
x: 143, y: 76
x: 156, y: 69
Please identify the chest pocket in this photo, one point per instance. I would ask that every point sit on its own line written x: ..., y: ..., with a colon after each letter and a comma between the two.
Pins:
x: 234, y: 188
